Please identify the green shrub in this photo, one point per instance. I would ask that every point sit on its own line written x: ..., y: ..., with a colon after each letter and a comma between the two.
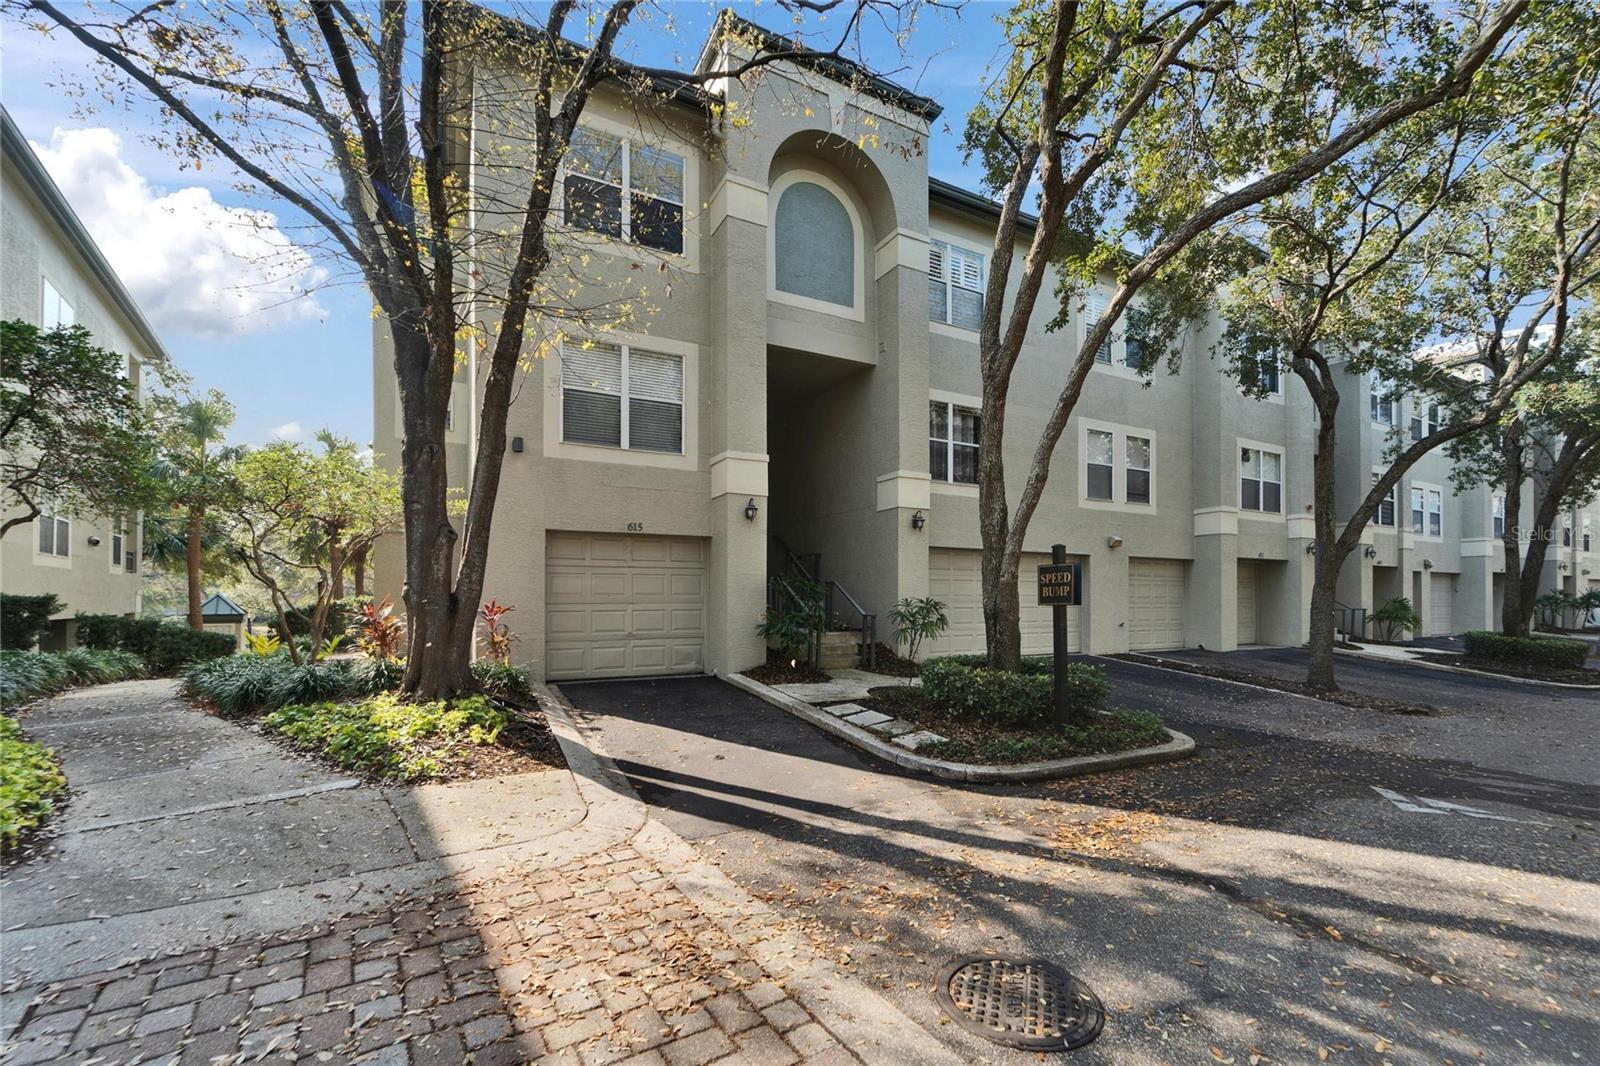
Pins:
x: 388, y: 738
x: 958, y: 687
x: 501, y: 680
x: 916, y: 620
x: 1116, y: 731
x: 368, y: 677
x: 164, y: 647
x: 29, y: 778
x: 1396, y: 616
x: 244, y: 684
x: 26, y: 675
x: 23, y: 619
x: 1558, y: 653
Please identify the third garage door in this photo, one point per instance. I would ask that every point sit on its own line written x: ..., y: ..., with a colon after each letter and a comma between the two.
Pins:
x: 1441, y: 605
x: 620, y: 606
x: 955, y: 579
x: 1247, y: 602
x: 1155, y: 604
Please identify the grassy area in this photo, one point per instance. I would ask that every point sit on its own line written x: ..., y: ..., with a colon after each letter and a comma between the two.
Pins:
x: 26, y: 675
x: 386, y: 738
x: 29, y: 781
x: 988, y: 742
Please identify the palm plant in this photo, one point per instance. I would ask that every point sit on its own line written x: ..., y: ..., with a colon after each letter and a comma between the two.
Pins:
x: 194, y: 468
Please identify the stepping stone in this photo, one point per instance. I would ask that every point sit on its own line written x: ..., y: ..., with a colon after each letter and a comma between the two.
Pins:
x: 867, y: 718
x: 844, y: 710
x: 894, y: 727
x: 913, y: 741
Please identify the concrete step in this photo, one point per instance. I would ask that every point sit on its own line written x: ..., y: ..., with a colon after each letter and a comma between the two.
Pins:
x: 841, y: 649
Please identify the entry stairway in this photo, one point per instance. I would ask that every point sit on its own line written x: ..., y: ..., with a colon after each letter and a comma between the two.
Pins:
x: 843, y: 633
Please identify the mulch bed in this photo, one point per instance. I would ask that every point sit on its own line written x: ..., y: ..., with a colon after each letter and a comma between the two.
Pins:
x: 981, y: 742
x: 1298, y: 688
x: 780, y: 670
x: 887, y: 661
x: 1508, y: 669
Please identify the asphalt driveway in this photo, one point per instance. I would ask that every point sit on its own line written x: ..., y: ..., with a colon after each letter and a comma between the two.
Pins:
x: 1316, y: 878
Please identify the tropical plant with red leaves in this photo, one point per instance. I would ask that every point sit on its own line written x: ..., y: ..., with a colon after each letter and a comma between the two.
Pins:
x: 497, y: 634
x: 379, y: 630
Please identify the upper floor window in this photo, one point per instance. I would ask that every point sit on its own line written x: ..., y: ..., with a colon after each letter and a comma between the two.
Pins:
x: 1388, y: 507
x: 953, y: 443
x: 1268, y: 374
x: 1094, y: 309
x: 629, y: 191
x: 955, y: 285
x: 1381, y: 402
x: 1100, y: 457
x: 1427, y: 511
x: 124, y: 553
x: 1261, y: 480
x: 55, y: 532
x: 1498, y: 515
x: 620, y: 397
x: 1566, y: 536
x: 55, y: 311
x: 1424, y: 420
x: 1138, y: 469
x: 1588, y: 540
x: 814, y: 245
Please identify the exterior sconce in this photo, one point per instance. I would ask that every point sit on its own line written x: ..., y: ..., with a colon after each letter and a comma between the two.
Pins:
x: 1311, y: 549
x: 94, y: 542
x: 918, y: 520
x: 1113, y: 542
x: 1427, y: 564
x: 1563, y: 568
x: 751, y: 510
x: 516, y: 445
x: 1370, y: 552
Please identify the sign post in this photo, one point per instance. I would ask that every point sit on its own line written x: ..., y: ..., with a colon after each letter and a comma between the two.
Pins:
x: 1060, y: 587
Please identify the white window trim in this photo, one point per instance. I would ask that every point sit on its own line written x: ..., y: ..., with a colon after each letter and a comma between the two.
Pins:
x: 1281, y: 514
x: 1401, y: 505
x: 625, y: 403
x: 858, y: 310
x: 1276, y: 395
x: 117, y: 541
x: 1417, y: 411
x: 622, y: 248
x: 1497, y: 498
x: 953, y: 488
x: 1119, y: 467
x: 46, y: 289
x: 1426, y: 488
x: 61, y: 562
x: 986, y: 254
x: 1116, y: 343
x: 1377, y: 388
x: 556, y: 448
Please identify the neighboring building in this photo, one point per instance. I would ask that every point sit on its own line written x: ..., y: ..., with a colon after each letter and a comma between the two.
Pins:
x: 53, y: 274
x: 218, y: 614
x: 810, y: 385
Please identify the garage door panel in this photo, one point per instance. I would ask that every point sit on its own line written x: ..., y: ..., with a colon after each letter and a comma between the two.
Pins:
x: 1441, y: 605
x: 624, y: 606
x: 955, y: 579
x: 1155, y: 604
x: 1247, y: 603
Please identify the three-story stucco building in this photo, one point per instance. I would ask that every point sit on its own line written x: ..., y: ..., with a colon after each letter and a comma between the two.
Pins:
x: 804, y: 383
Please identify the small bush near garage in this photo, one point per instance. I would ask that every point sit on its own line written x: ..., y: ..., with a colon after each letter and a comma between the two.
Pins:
x: 965, y: 689
x: 23, y: 619
x: 26, y: 675
x: 1556, y: 653
x: 29, y: 782
x: 165, y: 647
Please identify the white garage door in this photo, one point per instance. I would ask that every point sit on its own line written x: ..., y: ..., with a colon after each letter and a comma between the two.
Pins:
x: 955, y: 579
x: 1441, y: 605
x: 1155, y: 604
x: 1247, y: 603
x: 620, y: 606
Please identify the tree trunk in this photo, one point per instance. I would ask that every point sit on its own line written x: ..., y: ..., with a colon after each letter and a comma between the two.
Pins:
x: 1515, y: 608
x: 358, y: 570
x: 336, y: 567
x: 1325, y: 572
x: 192, y: 566
x: 1002, y: 612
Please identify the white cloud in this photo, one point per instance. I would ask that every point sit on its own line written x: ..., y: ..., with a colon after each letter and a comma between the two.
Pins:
x: 288, y: 431
x: 195, y: 266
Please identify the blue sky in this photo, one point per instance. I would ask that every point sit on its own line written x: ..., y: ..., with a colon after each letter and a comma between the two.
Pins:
x: 294, y: 360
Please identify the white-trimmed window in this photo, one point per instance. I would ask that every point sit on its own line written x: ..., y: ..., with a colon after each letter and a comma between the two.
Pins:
x: 1094, y: 309
x: 623, y: 189
x: 955, y: 285
x: 1497, y: 515
x: 1261, y: 480
x: 1588, y: 538
x: 1268, y: 373
x: 124, y: 550
x: 1137, y: 473
x: 1381, y: 401
x: 116, y: 545
x: 1388, y: 507
x: 1098, y: 460
x: 953, y: 442
x: 1424, y: 419
x: 55, y: 533
x: 618, y: 396
x: 54, y: 310
x: 1427, y: 511
x: 1566, y: 534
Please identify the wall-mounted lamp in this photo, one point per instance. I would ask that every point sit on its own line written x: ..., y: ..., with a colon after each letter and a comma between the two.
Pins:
x: 1427, y: 564
x: 918, y: 519
x: 94, y: 542
x: 1311, y: 549
x: 751, y: 510
x: 1370, y: 552
x: 516, y: 445
x: 1113, y: 542
x: 1563, y: 568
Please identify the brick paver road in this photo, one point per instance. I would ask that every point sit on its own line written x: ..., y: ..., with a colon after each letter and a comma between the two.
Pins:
x: 600, y: 961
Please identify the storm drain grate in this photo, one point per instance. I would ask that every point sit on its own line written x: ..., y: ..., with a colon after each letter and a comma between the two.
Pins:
x: 1021, y: 1003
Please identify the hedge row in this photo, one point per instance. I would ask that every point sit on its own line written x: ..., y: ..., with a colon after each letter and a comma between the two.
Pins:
x: 245, y: 684
x: 963, y: 687
x: 1558, y: 653
x: 165, y: 647
x: 26, y: 675
x: 23, y: 619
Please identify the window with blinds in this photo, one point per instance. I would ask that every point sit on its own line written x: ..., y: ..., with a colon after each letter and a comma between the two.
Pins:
x: 955, y: 286
x: 629, y: 191
x: 55, y: 533
x: 617, y: 396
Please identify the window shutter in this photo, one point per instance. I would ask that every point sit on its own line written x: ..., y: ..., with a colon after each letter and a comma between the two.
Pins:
x: 936, y: 260
x: 1094, y: 309
x: 966, y: 269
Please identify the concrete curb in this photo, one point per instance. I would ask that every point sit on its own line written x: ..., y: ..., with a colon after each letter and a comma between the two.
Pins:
x: 1180, y: 746
x: 1444, y: 668
x: 865, y: 1022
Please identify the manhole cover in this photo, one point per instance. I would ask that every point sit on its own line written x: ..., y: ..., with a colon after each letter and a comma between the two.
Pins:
x: 1021, y: 1003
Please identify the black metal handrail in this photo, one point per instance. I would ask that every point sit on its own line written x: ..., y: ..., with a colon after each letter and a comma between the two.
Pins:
x: 782, y: 598
x: 1350, y: 620
x: 868, y: 648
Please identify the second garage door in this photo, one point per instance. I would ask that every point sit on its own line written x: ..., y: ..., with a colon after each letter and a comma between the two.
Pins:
x: 955, y: 579
x: 1155, y: 604
x: 620, y: 606
x: 1441, y: 605
x: 1247, y: 602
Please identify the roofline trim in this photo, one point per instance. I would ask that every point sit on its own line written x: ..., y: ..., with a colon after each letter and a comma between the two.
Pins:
x: 38, y: 179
